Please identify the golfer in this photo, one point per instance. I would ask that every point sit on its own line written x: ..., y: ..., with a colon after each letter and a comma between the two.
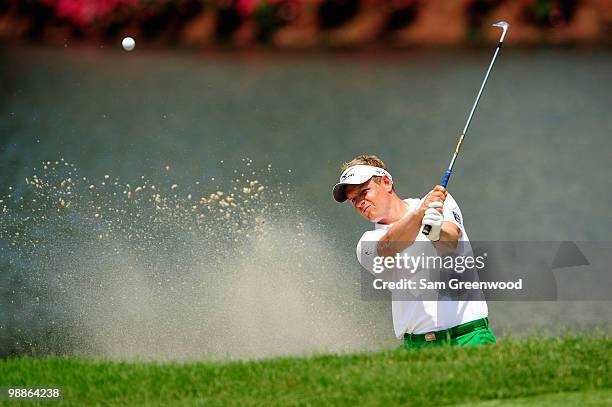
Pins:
x: 366, y: 183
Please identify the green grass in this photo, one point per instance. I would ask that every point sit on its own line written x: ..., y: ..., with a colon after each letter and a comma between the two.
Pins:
x: 583, y: 399
x: 563, y: 371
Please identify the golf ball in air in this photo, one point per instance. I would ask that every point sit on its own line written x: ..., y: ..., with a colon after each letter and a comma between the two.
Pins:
x: 128, y: 43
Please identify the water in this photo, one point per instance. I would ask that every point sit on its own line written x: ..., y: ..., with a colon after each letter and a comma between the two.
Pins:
x: 534, y: 166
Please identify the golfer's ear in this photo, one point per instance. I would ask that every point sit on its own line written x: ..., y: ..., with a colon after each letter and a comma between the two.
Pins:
x: 387, y: 183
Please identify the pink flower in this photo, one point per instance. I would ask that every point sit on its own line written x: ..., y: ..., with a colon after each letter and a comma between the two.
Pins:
x: 245, y: 7
x: 82, y: 12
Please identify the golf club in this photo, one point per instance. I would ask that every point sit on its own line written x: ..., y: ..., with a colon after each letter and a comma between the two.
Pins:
x: 504, y: 26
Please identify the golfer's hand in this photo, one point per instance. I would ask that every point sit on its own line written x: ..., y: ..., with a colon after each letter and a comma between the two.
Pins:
x: 434, y: 219
x: 437, y: 195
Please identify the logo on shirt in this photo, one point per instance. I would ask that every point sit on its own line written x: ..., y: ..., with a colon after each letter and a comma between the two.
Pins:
x: 457, y: 217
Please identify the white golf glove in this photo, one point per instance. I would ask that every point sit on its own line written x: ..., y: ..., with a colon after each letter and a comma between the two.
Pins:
x: 434, y: 219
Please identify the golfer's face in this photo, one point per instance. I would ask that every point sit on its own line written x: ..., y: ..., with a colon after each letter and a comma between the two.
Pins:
x: 368, y: 199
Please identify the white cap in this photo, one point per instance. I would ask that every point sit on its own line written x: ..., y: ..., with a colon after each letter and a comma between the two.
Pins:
x: 355, y: 175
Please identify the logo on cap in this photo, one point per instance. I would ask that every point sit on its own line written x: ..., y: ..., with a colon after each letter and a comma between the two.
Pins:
x: 345, y: 176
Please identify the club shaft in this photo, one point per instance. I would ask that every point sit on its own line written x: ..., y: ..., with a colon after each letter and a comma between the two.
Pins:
x: 484, y: 82
x: 449, y: 170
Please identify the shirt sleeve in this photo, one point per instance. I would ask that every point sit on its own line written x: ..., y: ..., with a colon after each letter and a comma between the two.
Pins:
x: 452, y: 213
x: 366, y: 248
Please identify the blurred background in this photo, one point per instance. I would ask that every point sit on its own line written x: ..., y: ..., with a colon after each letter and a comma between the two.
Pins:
x: 174, y: 202
x: 306, y: 23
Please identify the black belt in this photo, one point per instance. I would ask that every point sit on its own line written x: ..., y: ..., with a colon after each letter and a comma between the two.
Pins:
x: 450, y: 333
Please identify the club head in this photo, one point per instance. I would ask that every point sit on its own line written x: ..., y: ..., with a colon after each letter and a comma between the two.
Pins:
x: 504, y: 26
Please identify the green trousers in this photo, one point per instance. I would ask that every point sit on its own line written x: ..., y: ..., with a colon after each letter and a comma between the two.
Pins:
x: 479, y: 336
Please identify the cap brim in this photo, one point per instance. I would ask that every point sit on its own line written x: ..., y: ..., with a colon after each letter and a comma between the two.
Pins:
x: 339, y: 194
x: 357, y: 175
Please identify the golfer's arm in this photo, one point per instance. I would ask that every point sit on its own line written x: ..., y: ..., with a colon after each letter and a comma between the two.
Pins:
x: 449, y: 238
x: 401, y: 235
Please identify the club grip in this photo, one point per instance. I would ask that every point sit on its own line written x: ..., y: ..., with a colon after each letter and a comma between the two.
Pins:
x: 447, y: 174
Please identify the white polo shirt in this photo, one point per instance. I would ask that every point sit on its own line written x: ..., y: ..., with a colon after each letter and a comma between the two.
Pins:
x: 421, y: 317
